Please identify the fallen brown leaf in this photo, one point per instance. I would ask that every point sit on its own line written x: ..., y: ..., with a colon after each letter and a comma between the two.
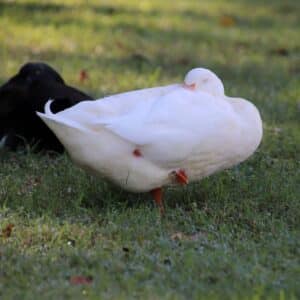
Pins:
x: 6, y: 232
x: 227, y: 21
x: 81, y: 280
x: 281, y: 51
x: 83, y: 75
x: 179, y: 236
x: 121, y: 45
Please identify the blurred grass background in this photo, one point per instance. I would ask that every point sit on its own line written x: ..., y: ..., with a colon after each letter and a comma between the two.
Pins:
x: 234, y: 235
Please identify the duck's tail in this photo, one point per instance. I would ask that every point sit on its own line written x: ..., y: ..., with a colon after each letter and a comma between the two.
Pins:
x: 47, y: 108
x: 56, y: 120
x: 66, y: 130
x: 3, y: 140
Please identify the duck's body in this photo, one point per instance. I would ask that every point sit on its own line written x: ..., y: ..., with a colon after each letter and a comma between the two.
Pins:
x: 145, y: 139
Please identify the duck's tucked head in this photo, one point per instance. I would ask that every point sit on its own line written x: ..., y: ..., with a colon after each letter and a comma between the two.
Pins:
x: 204, y: 80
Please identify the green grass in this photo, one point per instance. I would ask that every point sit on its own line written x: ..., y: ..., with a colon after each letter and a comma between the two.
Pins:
x: 235, y: 235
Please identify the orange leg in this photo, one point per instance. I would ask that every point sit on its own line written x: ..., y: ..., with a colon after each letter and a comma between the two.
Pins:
x: 157, y: 195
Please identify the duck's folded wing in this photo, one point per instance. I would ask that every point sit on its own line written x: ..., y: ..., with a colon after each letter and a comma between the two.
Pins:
x: 120, y: 104
x: 90, y: 113
x: 168, y: 128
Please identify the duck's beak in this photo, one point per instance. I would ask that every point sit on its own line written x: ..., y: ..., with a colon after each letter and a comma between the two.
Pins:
x: 191, y: 87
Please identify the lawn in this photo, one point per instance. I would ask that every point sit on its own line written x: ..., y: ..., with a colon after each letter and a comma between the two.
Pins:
x: 234, y: 235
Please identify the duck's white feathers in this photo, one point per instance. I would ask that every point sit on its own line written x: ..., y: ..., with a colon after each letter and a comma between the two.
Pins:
x: 168, y: 124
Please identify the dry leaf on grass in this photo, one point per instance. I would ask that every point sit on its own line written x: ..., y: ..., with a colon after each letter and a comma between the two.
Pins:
x: 81, y: 280
x: 6, y: 231
x: 227, y: 21
x: 83, y: 76
x: 281, y: 51
x: 179, y: 236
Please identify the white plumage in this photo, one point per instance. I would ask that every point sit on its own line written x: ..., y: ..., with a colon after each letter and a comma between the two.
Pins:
x: 143, y: 139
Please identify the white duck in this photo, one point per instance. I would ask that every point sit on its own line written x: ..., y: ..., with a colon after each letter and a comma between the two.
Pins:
x: 146, y: 139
